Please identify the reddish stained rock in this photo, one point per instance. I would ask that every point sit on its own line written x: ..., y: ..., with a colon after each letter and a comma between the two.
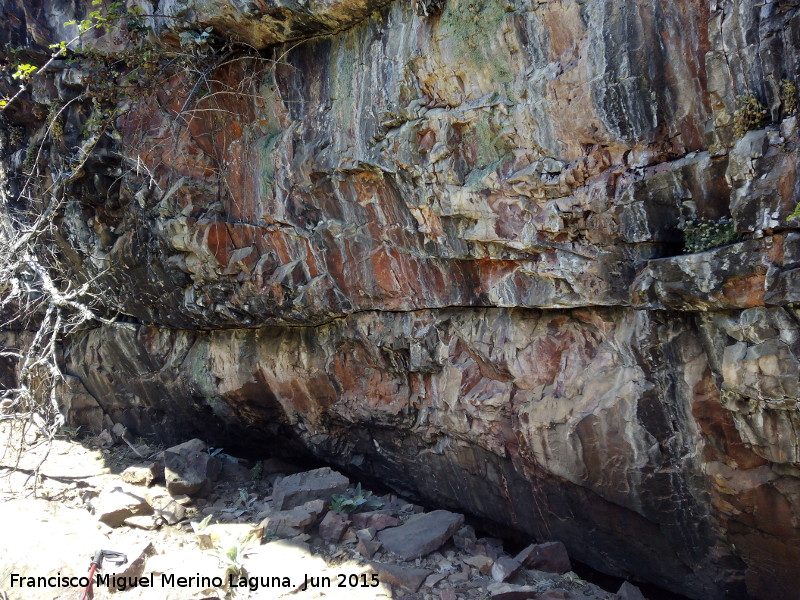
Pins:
x: 378, y: 520
x: 482, y: 563
x: 746, y: 292
x: 550, y: 557
x: 367, y: 548
x: 555, y: 177
x: 358, y: 383
x: 333, y: 526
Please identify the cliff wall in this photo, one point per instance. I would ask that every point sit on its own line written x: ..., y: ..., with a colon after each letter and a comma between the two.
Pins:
x: 440, y: 243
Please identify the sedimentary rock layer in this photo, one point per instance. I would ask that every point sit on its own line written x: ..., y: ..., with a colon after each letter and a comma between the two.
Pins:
x: 656, y: 444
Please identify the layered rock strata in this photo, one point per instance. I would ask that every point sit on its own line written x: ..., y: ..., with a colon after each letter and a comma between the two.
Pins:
x: 439, y: 244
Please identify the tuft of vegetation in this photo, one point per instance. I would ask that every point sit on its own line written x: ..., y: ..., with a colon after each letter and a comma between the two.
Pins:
x: 789, y: 97
x: 703, y: 234
x: 55, y: 121
x: 354, y: 500
x: 751, y: 114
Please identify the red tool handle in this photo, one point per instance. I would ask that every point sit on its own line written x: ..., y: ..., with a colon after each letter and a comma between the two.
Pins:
x: 89, y: 586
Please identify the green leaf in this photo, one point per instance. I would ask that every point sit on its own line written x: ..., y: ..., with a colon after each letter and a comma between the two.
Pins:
x: 24, y: 71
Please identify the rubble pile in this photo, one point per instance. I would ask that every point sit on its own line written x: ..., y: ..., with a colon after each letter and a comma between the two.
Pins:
x: 273, y: 519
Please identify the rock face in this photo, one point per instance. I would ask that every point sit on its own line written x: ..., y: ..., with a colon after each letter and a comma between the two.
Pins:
x: 438, y: 244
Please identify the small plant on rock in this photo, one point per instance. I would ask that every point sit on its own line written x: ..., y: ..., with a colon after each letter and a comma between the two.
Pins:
x: 789, y: 96
x: 703, y: 234
x: 751, y: 114
x: 354, y: 500
x: 245, y: 501
x: 257, y: 472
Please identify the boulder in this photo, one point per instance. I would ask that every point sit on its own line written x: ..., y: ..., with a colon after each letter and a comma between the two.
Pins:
x: 551, y: 557
x: 481, y: 562
x: 194, y: 445
x: 190, y: 472
x: 377, y: 520
x: 628, y: 591
x: 289, y: 523
x: 366, y: 534
x: 333, y: 526
x: 165, y: 507
x: 367, y: 548
x: 118, y: 502
x: 506, y: 591
x: 143, y: 474
x: 504, y: 568
x: 319, y: 484
x: 395, y: 575
x: 421, y: 534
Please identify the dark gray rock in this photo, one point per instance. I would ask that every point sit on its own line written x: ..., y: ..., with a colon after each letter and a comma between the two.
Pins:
x: 319, y: 484
x: 550, y: 557
x: 507, y: 591
x: 367, y: 548
x: 628, y: 591
x: 505, y: 568
x: 421, y: 534
x: 185, y: 473
x: 395, y: 575
x: 297, y: 520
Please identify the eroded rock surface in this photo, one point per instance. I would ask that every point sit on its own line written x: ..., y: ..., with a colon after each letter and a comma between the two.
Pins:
x: 438, y: 244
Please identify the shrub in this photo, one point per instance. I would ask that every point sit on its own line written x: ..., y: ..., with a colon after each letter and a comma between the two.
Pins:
x: 789, y: 96
x: 751, y: 114
x: 703, y: 234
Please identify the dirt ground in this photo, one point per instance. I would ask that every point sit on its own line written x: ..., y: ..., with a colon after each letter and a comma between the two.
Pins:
x: 50, y: 531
